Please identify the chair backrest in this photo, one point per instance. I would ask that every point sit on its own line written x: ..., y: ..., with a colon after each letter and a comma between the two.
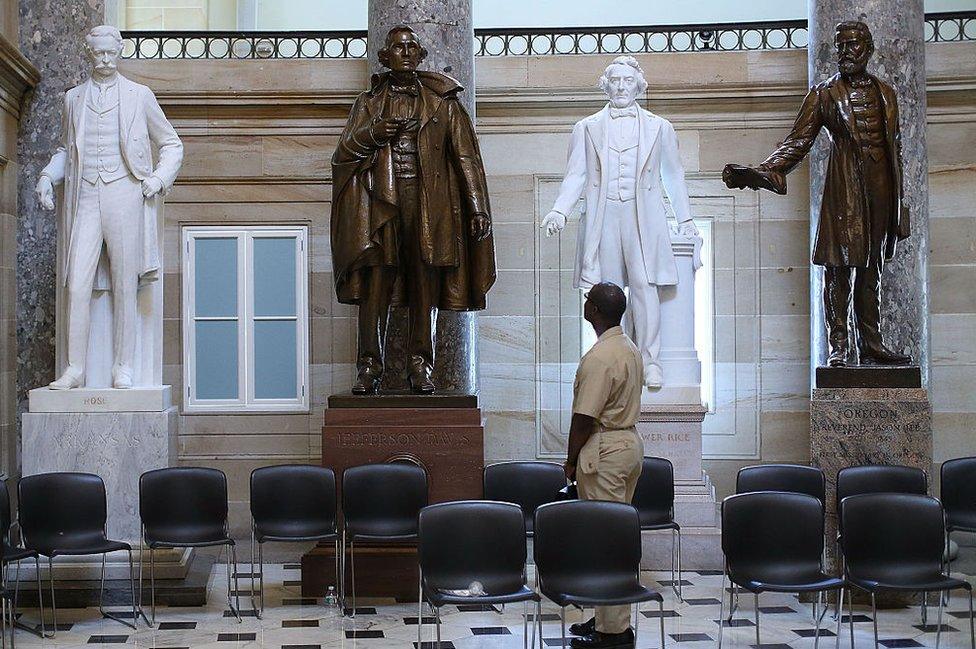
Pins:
x: 390, y: 495
x: 880, y: 478
x: 793, y: 478
x: 473, y: 540
x: 769, y: 535
x: 5, y: 519
x: 294, y: 493
x: 527, y: 484
x: 891, y: 534
x: 958, y: 491
x: 55, y: 505
x: 180, y: 504
x: 582, y: 543
x: 654, y: 493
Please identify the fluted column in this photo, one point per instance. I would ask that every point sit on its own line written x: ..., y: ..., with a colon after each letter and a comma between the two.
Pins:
x: 446, y: 30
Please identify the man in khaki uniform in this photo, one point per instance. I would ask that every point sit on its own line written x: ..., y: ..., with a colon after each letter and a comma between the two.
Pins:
x: 605, y: 452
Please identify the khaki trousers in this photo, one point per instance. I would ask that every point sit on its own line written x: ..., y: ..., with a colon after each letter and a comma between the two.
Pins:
x: 618, y: 456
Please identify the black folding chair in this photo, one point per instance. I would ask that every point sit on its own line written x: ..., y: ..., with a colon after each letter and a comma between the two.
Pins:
x: 896, y: 542
x: 292, y: 503
x: 587, y: 553
x: 380, y: 504
x: 185, y: 507
x: 14, y: 553
x: 958, y: 494
x: 64, y: 514
x: 527, y: 484
x: 654, y: 500
x: 473, y: 541
x: 773, y: 541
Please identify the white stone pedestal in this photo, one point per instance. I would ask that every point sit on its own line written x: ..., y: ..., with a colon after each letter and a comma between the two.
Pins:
x: 670, y: 424
x: 116, y: 435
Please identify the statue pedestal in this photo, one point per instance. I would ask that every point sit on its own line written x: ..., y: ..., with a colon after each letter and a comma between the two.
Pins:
x: 867, y: 425
x: 118, y: 435
x: 443, y: 433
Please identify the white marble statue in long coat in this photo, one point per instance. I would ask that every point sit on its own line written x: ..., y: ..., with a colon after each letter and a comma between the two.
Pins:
x: 109, y: 233
x: 621, y: 160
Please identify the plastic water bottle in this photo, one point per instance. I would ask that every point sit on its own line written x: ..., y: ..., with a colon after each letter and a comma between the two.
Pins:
x: 331, y: 601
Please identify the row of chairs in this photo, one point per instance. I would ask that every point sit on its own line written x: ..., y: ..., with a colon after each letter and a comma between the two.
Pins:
x: 892, y: 536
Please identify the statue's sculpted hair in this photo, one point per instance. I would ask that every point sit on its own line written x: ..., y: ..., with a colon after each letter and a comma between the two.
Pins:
x: 624, y: 60
x: 856, y: 26
x: 102, y: 31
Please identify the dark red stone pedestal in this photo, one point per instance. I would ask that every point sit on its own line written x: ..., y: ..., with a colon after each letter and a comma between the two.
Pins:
x: 443, y: 433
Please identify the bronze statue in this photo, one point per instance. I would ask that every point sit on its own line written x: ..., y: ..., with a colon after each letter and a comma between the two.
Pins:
x: 862, y: 215
x: 411, y: 222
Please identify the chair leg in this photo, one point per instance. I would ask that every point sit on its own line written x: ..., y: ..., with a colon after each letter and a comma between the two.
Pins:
x: 562, y: 619
x: 925, y: 610
x: 721, y: 612
x: 260, y: 581
x: 3, y: 623
x: 437, y: 621
x: 525, y: 625
x: 54, y: 603
x: 338, y: 577
x: 232, y: 557
x: 874, y: 618
x: 342, y: 581
x: 972, y: 623
x: 40, y: 598
x: 636, y: 620
x: 850, y: 615
x: 142, y: 543
x: 661, y: 609
x: 152, y: 585
x: 420, y: 608
x: 254, y: 603
x: 352, y: 566
x: 816, y: 624
x: 938, y: 621
x: 840, y: 605
x: 758, y: 643
x: 538, y: 623
x: 101, y: 596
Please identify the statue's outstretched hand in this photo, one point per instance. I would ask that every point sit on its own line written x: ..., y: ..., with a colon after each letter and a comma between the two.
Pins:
x: 739, y: 177
x: 45, y: 192
x: 480, y: 226
x: 553, y: 222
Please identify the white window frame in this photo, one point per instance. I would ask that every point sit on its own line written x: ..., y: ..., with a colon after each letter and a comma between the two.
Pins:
x: 246, y: 402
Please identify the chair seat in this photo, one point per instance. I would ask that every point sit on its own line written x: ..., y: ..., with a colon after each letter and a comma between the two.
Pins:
x: 380, y: 538
x: 659, y: 525
x: 440, y: 598
x: 799, y: 583
x: 186, y: 537
x: 611, y: 596
x: 961, y: 521
x: 11, y: 553
x: 77, y: 546
x: 917, y: 583
x: 381, y: 530
x: 282, y: 530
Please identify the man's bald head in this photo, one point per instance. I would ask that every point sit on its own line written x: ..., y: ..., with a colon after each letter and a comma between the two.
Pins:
x: 609, y: 301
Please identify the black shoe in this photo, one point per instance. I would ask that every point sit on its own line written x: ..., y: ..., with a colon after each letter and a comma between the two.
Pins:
x: 881, y: 355
x: 420, y: 381
x: 598, y: 640
x: 583, y: 628
x: 837, y: 358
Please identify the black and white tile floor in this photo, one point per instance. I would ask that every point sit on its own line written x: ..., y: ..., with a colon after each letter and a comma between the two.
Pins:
x: 291, y: 622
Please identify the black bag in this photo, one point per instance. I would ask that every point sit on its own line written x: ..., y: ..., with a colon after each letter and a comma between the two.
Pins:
x: 569, y: 492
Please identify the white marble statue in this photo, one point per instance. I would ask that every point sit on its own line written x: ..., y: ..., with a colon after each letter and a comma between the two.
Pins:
x: 109, y: 232
x: 619, y: 160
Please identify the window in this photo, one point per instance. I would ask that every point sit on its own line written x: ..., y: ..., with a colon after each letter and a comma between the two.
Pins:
x: 245, y: 315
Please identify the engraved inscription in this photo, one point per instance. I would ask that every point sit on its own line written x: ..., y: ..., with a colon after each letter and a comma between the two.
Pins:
x: 674, y: 438
x: 86, y: 441
x: 880, y: 419
x: 401, y: 440
x: 95, y: 401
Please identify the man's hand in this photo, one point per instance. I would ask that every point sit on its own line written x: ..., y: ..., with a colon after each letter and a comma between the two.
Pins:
x: 151, y: 186
x: 688, y: 229
x: 480, y: 226
x: 45, y: 192
x: 383, y: 130
x: 570, y: 470
x: 553, y: 222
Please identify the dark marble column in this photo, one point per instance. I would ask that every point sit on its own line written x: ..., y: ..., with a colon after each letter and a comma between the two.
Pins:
x: 899, y: 59
x: 446, y: 30
x: 52, y: 37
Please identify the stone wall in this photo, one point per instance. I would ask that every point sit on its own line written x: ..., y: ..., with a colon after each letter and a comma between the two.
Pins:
x: 259, y: 136
x: 16, y: 76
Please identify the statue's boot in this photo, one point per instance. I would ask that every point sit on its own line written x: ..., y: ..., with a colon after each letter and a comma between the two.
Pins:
x: 122, y: 377
x: 879, y: 354
x: 867, y: 315
x: 368, y: 381
x: 836, y: 297
x: 838, y: 354
x: 420, y: 377
x: 71, y: 378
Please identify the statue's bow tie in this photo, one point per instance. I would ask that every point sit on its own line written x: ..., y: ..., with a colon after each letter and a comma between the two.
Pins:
x: 405, y: 90
x: 623, y: 112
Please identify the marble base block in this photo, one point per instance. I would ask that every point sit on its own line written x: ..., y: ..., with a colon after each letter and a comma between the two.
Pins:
x: 674, y: 431
x: 852, y: 426
x: 144, y: 399
x: 119, y: 447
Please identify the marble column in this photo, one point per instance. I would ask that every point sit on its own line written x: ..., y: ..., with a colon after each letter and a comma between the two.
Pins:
x: 50, y: 36
x: 899, y: 59
x: 446, y: 30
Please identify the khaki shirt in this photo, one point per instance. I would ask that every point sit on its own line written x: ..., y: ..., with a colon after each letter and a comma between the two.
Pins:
x: 609, y: 381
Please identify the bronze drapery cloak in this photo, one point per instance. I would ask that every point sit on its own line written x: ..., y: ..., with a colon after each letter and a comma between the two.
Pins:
x: 364, y: 198
x: 844, y: 231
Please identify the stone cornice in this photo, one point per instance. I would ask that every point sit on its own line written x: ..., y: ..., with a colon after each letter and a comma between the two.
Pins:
x: 17, y: 76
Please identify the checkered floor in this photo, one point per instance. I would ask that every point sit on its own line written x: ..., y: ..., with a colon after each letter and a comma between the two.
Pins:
x: 291, y: 622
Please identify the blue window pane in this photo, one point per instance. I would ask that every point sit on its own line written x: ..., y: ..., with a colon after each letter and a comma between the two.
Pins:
x: 215, y: 280
x: 274, y: 276
x: 275, y: 358
x: 216, y: 349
